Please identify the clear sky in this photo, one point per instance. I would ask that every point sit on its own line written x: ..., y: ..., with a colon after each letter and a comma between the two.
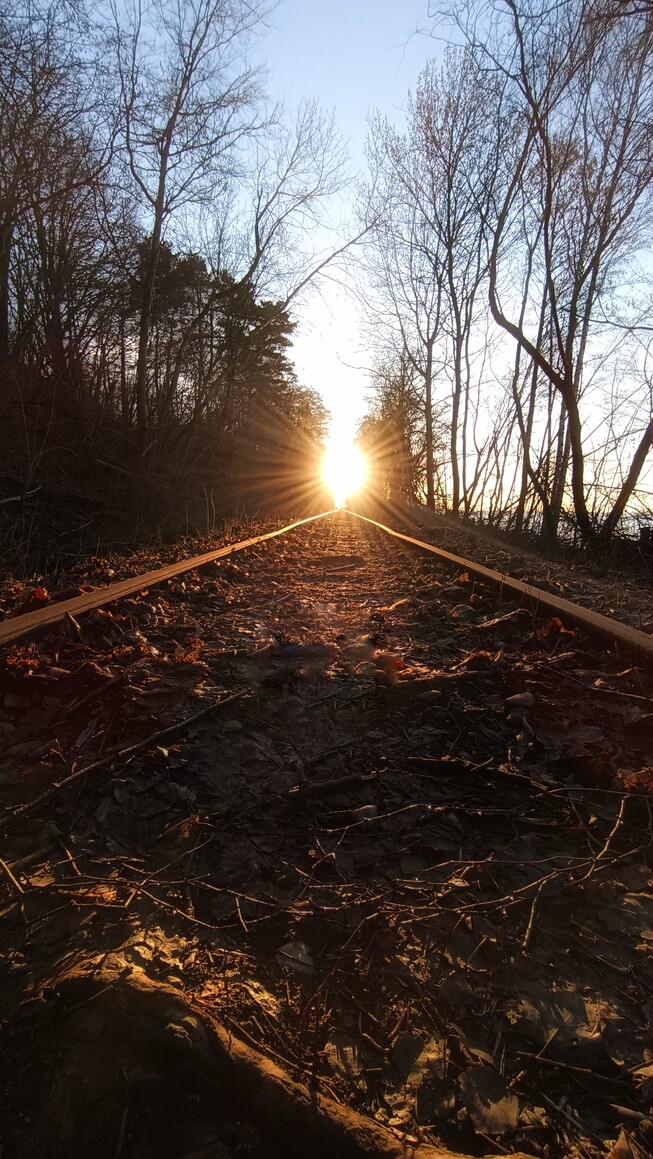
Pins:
x: 354, y: 56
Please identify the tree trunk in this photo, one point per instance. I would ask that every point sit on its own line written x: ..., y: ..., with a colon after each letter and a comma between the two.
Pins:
x: 527, y: 471
x: 6, y: 240
x: 141, y: 363
x: 147, y: 298
x: 428, y: 404
x: 630, y: 482
x: 578, y: 470
x: 559, y: 481
x: 526, y: 430
x: 453, y: 441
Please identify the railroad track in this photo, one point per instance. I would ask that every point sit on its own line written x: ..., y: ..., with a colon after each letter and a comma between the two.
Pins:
x: 382, y: 812
x: 612, y: 632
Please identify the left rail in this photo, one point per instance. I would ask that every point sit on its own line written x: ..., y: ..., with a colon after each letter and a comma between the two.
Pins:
x: 32, y: 623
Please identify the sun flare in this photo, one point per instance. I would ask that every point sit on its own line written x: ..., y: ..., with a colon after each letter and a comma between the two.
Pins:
x: 344, y: 470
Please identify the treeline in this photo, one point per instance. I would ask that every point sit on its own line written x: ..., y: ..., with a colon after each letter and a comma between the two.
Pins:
x: 157, y: 221
x: 509, y: 251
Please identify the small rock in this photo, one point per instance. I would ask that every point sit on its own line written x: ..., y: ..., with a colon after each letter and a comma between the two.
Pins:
x: 520, y: 700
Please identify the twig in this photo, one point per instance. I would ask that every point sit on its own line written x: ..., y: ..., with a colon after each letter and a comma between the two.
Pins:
x: 615, y: 829
x: 11, y: 877
x: 31, y: 858
x: 609, y: 839
x: 174, y: 861
x: 195, y: 921
x: 458, y: 765
x: 73, y: 626
x: 77, y: 704
x: 327, y: 788
x: 124, y: 752
x: 578, y: 1127
x: 629, y: 1113
x: 526, y: 941
x: 593, y: 1074
x: 262, y: 1047
x: 241, y: 918
x: 71, y: 859
x: 516, y: 896
x: 121, y: 1131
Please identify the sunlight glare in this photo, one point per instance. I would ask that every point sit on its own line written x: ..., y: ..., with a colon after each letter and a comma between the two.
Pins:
x: 344, y: 470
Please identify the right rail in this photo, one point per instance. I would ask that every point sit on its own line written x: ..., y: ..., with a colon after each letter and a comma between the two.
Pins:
x: 613, y: 631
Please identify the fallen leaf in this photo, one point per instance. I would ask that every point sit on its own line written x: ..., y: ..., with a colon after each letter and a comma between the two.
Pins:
x: 632, y: 914
x: 492, y: 1109
x: 298, y: 956
x: 625, y: 1147
x: 388, y: 662
x: 264, y: 999
x: 639, y: 781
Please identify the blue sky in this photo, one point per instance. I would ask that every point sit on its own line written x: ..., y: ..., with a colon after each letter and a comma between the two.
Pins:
x: 354, y: 57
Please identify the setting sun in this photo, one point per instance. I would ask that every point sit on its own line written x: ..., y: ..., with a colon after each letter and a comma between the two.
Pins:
x: 344, y: 470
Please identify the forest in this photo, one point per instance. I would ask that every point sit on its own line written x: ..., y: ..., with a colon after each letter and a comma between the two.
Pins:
x: 155, y: 221
x: 509, y: 255
x: 161, y: 218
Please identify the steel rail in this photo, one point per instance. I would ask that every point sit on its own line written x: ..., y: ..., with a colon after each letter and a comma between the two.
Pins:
x: 32, y: 623
x: 631, y: 639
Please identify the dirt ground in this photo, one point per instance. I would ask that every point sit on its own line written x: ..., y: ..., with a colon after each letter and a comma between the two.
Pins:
x: 389, y: 831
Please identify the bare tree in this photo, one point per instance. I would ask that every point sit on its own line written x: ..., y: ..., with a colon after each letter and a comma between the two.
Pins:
x: 583, y: 91
x: 187, y: 98
x: 259, y: 238
x: 434, y: 188
x: 406, y: 271
x: 41, y: 113
x: 457, y: 131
